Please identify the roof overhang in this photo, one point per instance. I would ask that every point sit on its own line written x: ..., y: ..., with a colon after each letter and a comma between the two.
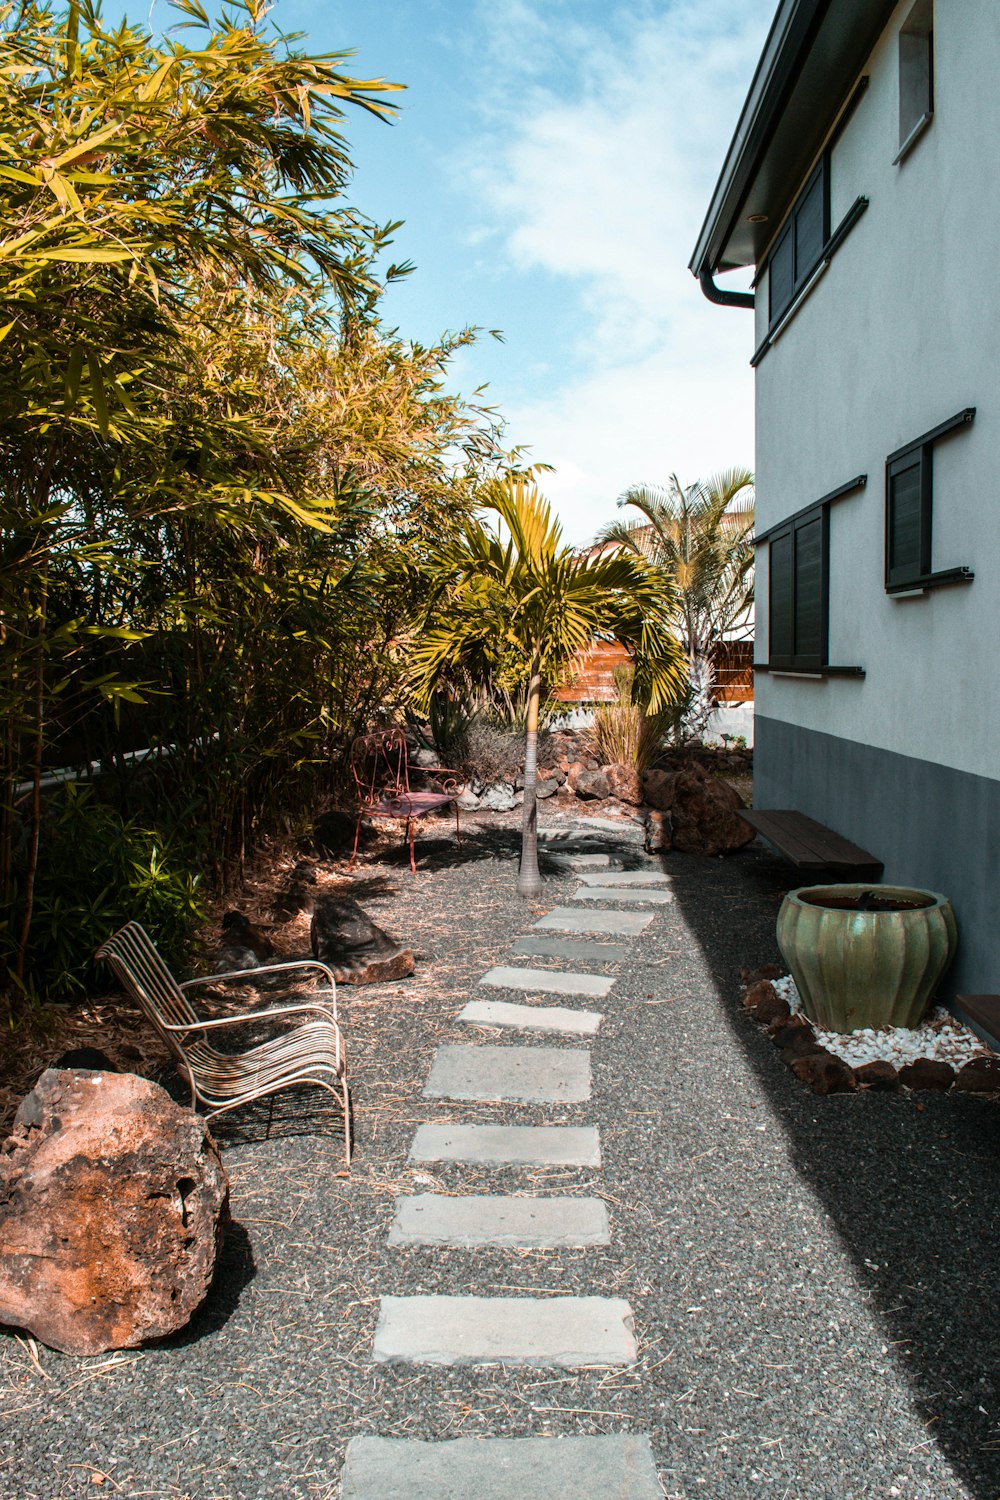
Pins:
x: 813, y: 55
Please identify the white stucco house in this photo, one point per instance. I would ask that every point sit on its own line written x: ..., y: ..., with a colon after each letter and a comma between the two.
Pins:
x: 861, y: 186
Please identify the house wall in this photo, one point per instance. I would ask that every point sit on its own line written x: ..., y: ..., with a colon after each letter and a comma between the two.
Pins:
x: 900, y: 333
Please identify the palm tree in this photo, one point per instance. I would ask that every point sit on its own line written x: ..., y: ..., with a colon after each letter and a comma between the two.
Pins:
x: 522, y: 593
x: 702, y: 537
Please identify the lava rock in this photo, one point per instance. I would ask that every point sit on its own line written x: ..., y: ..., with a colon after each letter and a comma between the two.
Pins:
x: 113, y: 1203
x: 547, y: 787
x: 298, y: 894
x: 592, y: 786
x: 981, y: 1075
x: 243, y: 945
x: 926, y: 1073
x: 355, y: 948
x: 499, y: 798
x: 824, y: 1072
x: 759, y: 992
x: 624, y: 784
x: 658, y: 789
x: 703, y: 814
x: 657, y: 837
x: 877, y: 1075
x: 794, y: 1041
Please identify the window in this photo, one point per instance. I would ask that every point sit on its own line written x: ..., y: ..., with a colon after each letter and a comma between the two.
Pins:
x: 797, y: 592
x: 909, y: 508
x: 916, y: 74
x: 800, y: 246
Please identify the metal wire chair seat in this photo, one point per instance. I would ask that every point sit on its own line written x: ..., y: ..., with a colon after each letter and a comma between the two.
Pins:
x: 311, y: 1050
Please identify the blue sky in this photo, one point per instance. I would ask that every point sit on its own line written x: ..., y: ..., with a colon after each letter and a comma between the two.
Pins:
x: 552, y: 162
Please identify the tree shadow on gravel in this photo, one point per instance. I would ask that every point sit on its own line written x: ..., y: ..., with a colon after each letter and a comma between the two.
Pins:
x: 911, y: 1181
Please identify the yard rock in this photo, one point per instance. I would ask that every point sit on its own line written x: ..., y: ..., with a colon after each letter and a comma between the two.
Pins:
x: 824, y: 1073
x: 657, y: 832
x: 467, y: 801
x: 980, y: 1076
x: 359, y: 952
x: 591, y: 785
x: 113, y: 1202
x: 794, y: 1041
x: 703, y: 814
x: 926, y: 1073
x: 624, y: 784
x: 547, y: 787
x: 877, y: 1075
x: 333, y: 833
x: 658, y: 789
x: 243, y: 945
x: 761, y: 991
x: 499, y: 798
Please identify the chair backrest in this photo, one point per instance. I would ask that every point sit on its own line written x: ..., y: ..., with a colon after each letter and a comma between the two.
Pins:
x: 380, y: 766
x: 133, y: 956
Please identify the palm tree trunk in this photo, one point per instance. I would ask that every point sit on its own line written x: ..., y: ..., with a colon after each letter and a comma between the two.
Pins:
x: 529, y: 882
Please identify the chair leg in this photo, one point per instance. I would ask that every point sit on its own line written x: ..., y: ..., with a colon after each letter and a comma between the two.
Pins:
x: 348, y: 1143
x: 354, y: 852
x: 458, y: 827
x: 409, y: 830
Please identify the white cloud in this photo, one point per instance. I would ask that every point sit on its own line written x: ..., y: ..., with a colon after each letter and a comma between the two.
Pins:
x: 601, y: 152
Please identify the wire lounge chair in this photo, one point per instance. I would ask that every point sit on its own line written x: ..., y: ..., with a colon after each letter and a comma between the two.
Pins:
x: 310, y: 1051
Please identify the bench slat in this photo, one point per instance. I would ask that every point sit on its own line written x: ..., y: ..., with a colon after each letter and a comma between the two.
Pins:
x: 808, y: 844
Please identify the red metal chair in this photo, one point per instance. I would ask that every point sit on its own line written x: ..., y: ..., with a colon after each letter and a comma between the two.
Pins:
x: 380, y: 767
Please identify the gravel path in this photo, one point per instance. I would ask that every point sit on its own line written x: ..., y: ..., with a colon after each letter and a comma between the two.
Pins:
x: 810, y: 1277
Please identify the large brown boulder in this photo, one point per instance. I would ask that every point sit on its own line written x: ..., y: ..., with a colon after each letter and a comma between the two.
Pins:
x: 658, y: 789
x: 113, y: 1203
x: 624, y: 784
x: 703, y: 814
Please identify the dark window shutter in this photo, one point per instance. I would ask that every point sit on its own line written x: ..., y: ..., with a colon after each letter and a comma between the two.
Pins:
x: 810, y: 229
x: 908, y: 522
x: 780, y: 645
x: 781, y: 275
x: 809, y: 591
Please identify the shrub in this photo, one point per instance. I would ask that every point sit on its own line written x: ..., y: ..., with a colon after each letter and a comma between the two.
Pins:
x: 97, y: 871
x: 622, y: 734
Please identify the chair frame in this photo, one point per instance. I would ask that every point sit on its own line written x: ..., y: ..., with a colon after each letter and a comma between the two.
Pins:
x: 311, y: 1052
x: 380, y: 766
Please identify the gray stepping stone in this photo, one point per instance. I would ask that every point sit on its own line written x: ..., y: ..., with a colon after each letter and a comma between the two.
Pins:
x: 509, y: 1145
x: 608, y: 893
x: 625, y: 877
x: 561, y: 1331
x: 552, y: 981
x: 582, y: 861
x: 479, y: 1219
x: 532, y: 1017
x: 537, y: 945
x: 566, y: 919
x: 518, y: 1075
x: 617, y: 1467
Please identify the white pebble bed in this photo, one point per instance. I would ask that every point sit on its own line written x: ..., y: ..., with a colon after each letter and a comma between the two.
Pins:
x: 940, y: 1037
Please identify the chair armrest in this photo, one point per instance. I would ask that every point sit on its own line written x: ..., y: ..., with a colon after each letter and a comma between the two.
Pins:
x: 248, y: 975
x: 251, y: 1015
x: 442, y: 773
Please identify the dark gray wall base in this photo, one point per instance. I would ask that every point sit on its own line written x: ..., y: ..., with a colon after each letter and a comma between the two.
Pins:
x: 934, y: 826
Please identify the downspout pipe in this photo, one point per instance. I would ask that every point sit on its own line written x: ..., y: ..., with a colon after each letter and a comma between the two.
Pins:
x: 723, y: 299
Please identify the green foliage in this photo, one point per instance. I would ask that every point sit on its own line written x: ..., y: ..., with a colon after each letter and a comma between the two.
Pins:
x: 96, y: 872
x: 623, y: 734
x: 702, y: 539
x: 218, y: 471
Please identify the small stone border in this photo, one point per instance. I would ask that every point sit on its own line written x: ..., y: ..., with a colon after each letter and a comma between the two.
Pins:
x: 825, y: 1073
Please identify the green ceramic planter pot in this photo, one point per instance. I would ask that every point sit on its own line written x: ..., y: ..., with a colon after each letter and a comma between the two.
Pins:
x: 859, y: 968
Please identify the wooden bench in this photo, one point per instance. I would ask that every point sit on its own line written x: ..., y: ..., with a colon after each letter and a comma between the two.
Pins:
x: 810, y: 846
x: 982, y: 1014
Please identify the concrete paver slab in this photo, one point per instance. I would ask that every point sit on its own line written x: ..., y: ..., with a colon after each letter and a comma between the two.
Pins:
x: 519, y: 1075
x: 509, y: 1145
x: 619, y: 1466
x: 551, y: 981
x: 482, y: 1219
x: 537, y: 945
x: 532, y: 1017
x: 567, y: 919
x: 561, y: 1331
x: 625, y: 877
x: 633, y: 893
